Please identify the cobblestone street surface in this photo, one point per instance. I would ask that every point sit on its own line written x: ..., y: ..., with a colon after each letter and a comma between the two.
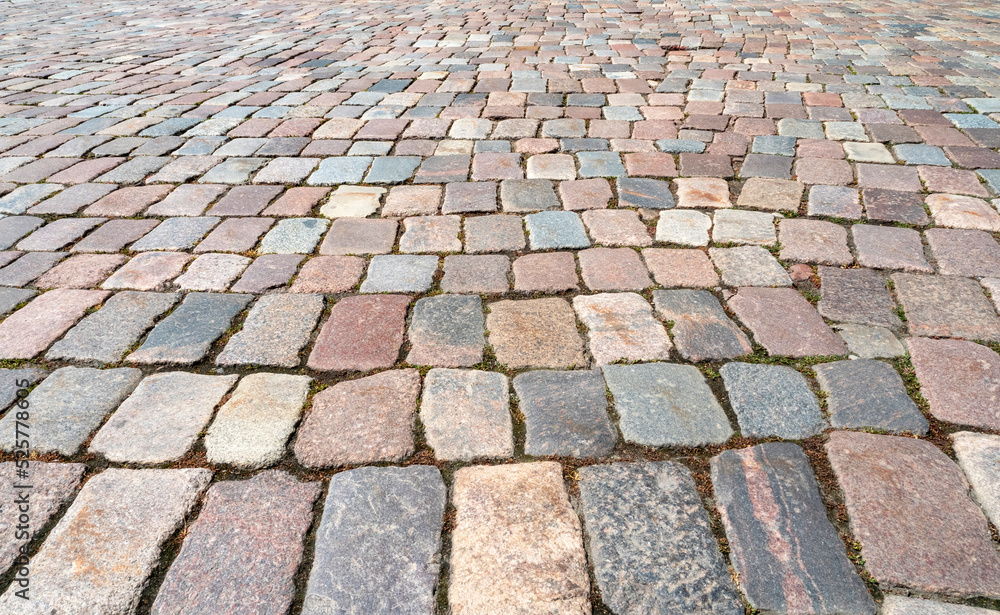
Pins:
x: 499, y: 307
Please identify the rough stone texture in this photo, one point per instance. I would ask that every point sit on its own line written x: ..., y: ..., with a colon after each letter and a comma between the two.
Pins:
x: 497, y: 233
x: 702, y: 193
x: 266, y: 272
x: 979, y: 457
x: 664, y: 404
x: 68, y: 406
x: 701, y: 329
x: 185, y: 336
x: 362, y: 333
x: 329, y: 274
x: 147, y: 271
x: 772, y: 400
x: 856, y: 296
x: 465, y: 414
x: 29, y: 267
x: 378, y: 544
x: 887, y: 247
x: 870, y: 342
x: 275, y: 331
x: 954, y: 211
x: 743, y: 227
x: 680, y: 268
x: 788, y: 555
x: 10, y: 380
x: 334, y: 433
x: 400, y: 273
x: 212, y: 272
x: 162, y: 418
x: 565, y: 413
x: 960, y: 380
x: 965, y: 253
x: 898, y: 605
x: 106, y: 335
x: 517, y: 547
x: 10, y: 298
x: 99, y: 557
x: 620, y: 326
x: 865, y: 393
x: 548, y: 272
x: 784, y: 323
x: 535, y: 333
x: 242, y: 552
x: 814, y: 241
x: 29, y: 331
x: 613, y: 269
x: 939, y: 306
x: 650, y: 541
x: 909, y: 507
x: 749, y: 266
x: 251, y: 429
x: 481, y: 273
x: 52, y: 485
x: 686, y: 228
x: 771, y: 194
x: 447, y: 331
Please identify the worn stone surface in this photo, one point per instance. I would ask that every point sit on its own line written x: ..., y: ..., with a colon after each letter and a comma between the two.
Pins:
x: 162, y: 418
x: 909, y: 507
x: 266, y: 272
x: 100, y: 556
x: 10, y: 298
x: 535, y: 333
x: 242, y: 552
x: 680, y: 268
x: 749, y: 266
x: 565, y: 413
x: 447, y: 331
x: 11, y: 381
x: 788, y: 555
x: 887, y: 247
x: 185, y: 336
x: 899, y: 605
x: 739, y: 226
x: 701, y: 329
x: 69, y: 405
x: 784, y: 323
x: 650, y: 542
x: 965, y: 253
x: 870, y: 342
x: 106, y: 335
x: 865, y: 393
x: 362, y: 333
x: 960, y: 380
x: 251, y: 429
x: 942, y: 306
x: 772, y: 400
x: 686, y: 228
x: 378, y: 544
x: 620, y: 326
x: 465, y: 414
x: 400, y: 273
x: 328, y: 274
x: 274, y: 332
x: 664, y: 404
x: 29, y: 331
x: 979, y: 457
x: 856, y: 296
x: 52, y: 485
x: 814, y: 241
x: 517, y: 546
x: 212, y: 272
x: 335, y: 433
x: 147, y: 271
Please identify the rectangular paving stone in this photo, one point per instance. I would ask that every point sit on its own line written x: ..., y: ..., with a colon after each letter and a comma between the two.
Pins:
x: 13, y: 228
x: 114, y: 235
x: 176, y: 234
x: 185, y: 336
x: 517, y: 545
x: 294, y: 236
x: 10, y: 298
x: 978, y: 456
x: 360, y: 236
x: 245, y: 201
x: 57, y: 234
x: 52, y: 485
x: 701, y: 329
x: 28, y: 267
x: 100, y: 556
x: 235, y: 235
x: 29, y: 331
x: 856, y: 296
x: 447, y: 331
x: 18, y: 201
x: 243, y: 550
x: 650, y: 542
x: 266, y: 272
x: 362, y: 333
x: 161, y: 419
x: 864, y: 393
x: 898, y: 605
x: 148, y: 271
x: 378, y: 544
x: 788, y: 555
x: 274, y: 332
x: 620, y: 326
x: 328, y: 274
x: 784, y: 323
x: 772, y: 400
x: 69, y: 405
x: 335, y: 434
x: 106, y: 335
x: 465, y: 414
x: 959, y: 380
x: 495, y: 233
x: 665, y: 404
x: 12, y: 379
x: 538, y: 333
x: 565, y: 413
x: 749, y: 266
x: 945, y: 306
x: 909, y: 507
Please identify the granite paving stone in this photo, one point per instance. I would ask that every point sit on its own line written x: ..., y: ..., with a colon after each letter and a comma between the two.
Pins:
x: 400, y: 273
x: 546, y: 272
x: 275, y: 331
x: 701, y: 329
x: 527, y: 195
x: 834, y: 202
x: 13, y: 228
x: 870, y: 342
x: 784, y: 323
x: 57, y: 234
x: 222, y: 567
x: 162, y: 418
x: 565, y: 413
x: 447, y: 331
x: 865, y: 393
x: 118, y: 524
x: 496, y: 233
x: 80, y: 271
x: 964, y: 253
x: 945, y: 306
x: 334, y: 433
x: 909, y: 507
x: 702, y: 193
x: 586, y: 194
x: 362, y: 333
x: 378, y: 546
x: 743, y: 227
x: 212, y: 272
x: 643, y: 193
x: 686, y: 228
x: 30, y: 330
x: 899, y: 605
x: 609, y: 269
x: 465, y: 414
x: 788, y: 556
x: 266, y: 272
x: 294, y: 236
x: 620, y: 326
x: 485, y: 274
x: 69, y: 405
x: 665, y: 404
x: 176, y: 234
x: 328, y: 274
x: 29, y: 267
x: 650, y: 541
x: 894, y: 206
x: 749, y: 266
x: 186, y: 335
x: 114, y: 235
x: 360, y: 236
x: 813, y: 241
x: 856, y: 296
x: 978, y: 456
x: 147, y: 271
x: 956, y: 211
x: 517, y: 546
x: 11, y: 298
x: 539, y: 333
x: 886, y: 247
x: 680, y: 268
x: 772, y: 400
x: 958, y: 379
x: 771, y: 194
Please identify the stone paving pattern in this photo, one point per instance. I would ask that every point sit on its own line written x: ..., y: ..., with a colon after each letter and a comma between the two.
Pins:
x: 501, y: 308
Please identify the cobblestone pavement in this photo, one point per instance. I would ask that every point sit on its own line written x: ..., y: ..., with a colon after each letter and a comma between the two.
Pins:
x: 500, y: 308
